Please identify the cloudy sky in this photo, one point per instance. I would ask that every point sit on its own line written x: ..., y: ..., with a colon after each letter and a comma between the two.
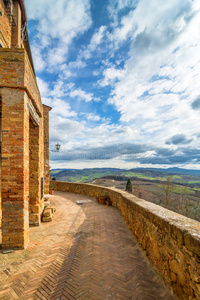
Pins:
x: 122, y: 78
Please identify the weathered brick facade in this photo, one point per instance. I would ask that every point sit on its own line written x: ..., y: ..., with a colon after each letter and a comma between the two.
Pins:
x: 46, y: 110
x: 5, y: 25
x: 24, y: 131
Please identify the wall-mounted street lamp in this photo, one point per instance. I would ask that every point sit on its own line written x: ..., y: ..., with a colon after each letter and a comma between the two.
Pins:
x: 57, y: 148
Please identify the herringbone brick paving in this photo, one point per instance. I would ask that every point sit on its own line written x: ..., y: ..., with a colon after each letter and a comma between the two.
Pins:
x: 87, y: 252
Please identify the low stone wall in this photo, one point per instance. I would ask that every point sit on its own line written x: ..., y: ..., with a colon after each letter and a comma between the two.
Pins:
x: 171, y: 241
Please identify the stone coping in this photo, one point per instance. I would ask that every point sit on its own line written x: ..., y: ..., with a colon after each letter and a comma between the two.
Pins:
x: 153, y: 211
x: 171, y: 241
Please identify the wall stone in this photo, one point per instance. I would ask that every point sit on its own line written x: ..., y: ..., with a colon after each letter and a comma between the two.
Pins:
x: 171, y: 241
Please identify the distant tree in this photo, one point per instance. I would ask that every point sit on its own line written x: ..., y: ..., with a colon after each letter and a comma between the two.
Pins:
x: 185, y: 193
x: 167, y: 188
x: 129, y: 186
x: 137, y: 191
x: 53, y: 178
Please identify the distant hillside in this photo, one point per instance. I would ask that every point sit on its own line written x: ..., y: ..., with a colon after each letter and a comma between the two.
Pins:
x: 85, y: 175
x: 149, y: 184
x: 169, y: 170
x: 72, y: 172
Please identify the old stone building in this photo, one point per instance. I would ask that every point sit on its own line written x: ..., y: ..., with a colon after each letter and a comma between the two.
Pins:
x: 24, y: 130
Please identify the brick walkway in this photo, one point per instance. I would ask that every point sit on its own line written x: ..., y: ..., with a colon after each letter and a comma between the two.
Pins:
x: 87, y: 252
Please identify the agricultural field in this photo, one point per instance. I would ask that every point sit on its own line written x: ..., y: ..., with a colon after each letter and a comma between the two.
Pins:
x: 175, y: 191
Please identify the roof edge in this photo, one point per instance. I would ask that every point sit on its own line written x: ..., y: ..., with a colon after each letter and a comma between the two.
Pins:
x: 23, y: 9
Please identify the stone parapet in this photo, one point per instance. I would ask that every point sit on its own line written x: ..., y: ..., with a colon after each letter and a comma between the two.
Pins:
x: 171, y: 241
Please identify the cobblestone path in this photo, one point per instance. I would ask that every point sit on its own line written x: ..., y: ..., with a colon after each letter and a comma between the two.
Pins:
x: 87, y: 252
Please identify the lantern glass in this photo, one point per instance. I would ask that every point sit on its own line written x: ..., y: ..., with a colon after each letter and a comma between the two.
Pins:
x: 57, y: 147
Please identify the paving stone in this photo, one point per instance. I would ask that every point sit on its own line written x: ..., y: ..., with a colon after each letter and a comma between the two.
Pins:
x: 86, y: 252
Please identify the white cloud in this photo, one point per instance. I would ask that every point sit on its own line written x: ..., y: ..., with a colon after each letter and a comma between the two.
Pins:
x: 82, y: 95
x: 65, y: 72
x: 96, y: 40
x: 93, y: 117
x: 63, y: 130
x: 50, y: 97
x: 39, y: 61
x: 127, y: 27
x: 60, y: 22
x: 61, y: 108
x: 61, y: 19
x: 60, y: 88
x: 152, y: 90
x: 43, y: 87
x: 163, y: 65
x: 116, y: 6
x: 111, y: 75
x: 79, y: 63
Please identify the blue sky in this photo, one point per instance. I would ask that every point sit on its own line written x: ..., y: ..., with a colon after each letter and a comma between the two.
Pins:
x: 122, y: 78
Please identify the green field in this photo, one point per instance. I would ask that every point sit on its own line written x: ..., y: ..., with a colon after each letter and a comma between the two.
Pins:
x: 183, y: 190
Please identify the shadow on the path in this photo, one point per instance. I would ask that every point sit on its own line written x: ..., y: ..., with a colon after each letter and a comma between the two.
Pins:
x: 104, y: 261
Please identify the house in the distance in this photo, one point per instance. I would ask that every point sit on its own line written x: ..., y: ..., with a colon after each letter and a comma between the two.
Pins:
x: 24, y: 130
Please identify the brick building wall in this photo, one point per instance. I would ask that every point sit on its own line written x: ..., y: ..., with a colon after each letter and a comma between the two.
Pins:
x: 46, y: 110
x: 5, y: 25
x: 24, y: 122
x: 14, y: 180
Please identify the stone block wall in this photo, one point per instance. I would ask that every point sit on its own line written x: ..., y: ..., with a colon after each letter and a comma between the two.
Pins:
x: 171, y: 241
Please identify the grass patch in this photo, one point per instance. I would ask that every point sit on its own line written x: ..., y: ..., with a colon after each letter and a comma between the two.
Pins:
x: 132, y: 174
x: 182, y: 190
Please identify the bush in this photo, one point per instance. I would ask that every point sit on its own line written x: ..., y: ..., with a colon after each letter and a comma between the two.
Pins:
x: 129, y: 187
x: 51, y: 187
